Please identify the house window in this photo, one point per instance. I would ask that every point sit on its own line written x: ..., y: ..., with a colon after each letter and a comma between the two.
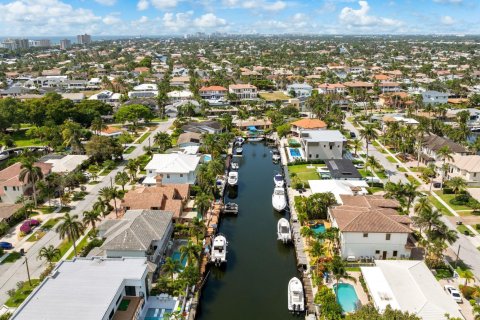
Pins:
x: 118, y: 300
x: 130, y: 291
x: 181, y: 175
x: 331, y: 147
x: 365, y: 235
x: 387, y: 236
x: 5, y: 188
x: 316, y: 156
x: 168, y: 176
x: 111, y: 314
x: 395, y: 253
x: 377, y: 251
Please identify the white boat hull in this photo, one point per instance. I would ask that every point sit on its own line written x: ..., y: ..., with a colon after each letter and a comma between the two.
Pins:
x: 296, y: 299
x: 279, y: 202
x: 284, y: 233
x: 219, y: 250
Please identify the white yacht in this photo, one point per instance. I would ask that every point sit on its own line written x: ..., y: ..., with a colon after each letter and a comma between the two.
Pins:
x: 279, y: 200
x: 239, y: 150
x: 284, y: 232
x: 232, y: 178
x: 255, y: 139
x: 239, y: 140
x: 296, y: 300
x: 219, y: 250
x: 275, y: 155
x: 235, y: 166
x: 278, y: 180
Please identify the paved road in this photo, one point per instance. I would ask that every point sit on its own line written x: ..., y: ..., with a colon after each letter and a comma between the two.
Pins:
x: 469, y: 254
x: 12, y: 273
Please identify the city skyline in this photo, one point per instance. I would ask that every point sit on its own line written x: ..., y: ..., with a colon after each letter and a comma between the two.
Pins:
x: 176, y: 17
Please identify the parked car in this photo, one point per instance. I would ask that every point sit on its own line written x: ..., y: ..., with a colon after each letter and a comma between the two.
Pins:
x: 359, y: 165
x: 6, y: 245
x: 352, y: 134
x: 454, y: 293
x: 373, y: 180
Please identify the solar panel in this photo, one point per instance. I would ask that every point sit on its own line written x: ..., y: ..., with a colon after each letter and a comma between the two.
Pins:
x: 333, y: 165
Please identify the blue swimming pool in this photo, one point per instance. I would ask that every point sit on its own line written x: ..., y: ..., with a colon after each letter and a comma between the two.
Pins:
x: 295, y: 152
x: 347, y: 297
x: 156, y: 314
x: 176, y: 255
x: 318, y: 228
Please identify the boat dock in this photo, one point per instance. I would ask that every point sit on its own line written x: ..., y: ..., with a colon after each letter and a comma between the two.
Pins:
x: 230, y: 208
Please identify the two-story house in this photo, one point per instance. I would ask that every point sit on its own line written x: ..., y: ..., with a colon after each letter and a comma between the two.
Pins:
x: 466, y: 167
x: 213, y: 92
x: 300, y: 90
x: 322, y: 144
x: 370, y: 226
x: 307, y: 124
x: 243, y: 91
x: 432, y: 143
x: 434, y: 97
x: 173, y: 167
x: 331, y: 88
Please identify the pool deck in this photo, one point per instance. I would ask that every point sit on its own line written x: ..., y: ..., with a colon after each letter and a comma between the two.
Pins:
x: 362, y: 295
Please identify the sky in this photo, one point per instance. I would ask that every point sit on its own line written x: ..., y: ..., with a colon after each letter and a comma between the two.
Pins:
x: 178, y: 17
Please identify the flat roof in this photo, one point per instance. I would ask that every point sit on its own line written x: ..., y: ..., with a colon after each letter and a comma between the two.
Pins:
x: 82, y: 288
x: 322, y: 135
x: 342, y: 169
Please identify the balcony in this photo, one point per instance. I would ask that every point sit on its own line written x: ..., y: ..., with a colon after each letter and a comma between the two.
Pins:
x: 129, y: 308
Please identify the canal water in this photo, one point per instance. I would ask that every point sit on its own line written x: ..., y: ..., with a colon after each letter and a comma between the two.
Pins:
x: 253, y: 284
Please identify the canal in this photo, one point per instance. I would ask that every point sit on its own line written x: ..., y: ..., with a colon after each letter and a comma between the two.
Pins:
x: 254, y: 283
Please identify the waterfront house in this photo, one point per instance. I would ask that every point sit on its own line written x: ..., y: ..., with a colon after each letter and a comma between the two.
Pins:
x: 209, y: 126
x: 108, y: 97
x: 89, y: 288
x: 331, y: 88
x: 370, y: 226
x: 174, y: 168
x: 180, y: 96
x: 322, y: 144
x: 300, y: 90
x: 145, y: 90
x: 432, y: 143
x: 188, y: 139
x: 343, y: 169
x: 243, y: 91
x: 466, y: 167
x: 213, y: 92
x: 307, y: 124
x: 139, y: 233
x: 409, y: 286
x: 11, y: 187
x: 434, y: 97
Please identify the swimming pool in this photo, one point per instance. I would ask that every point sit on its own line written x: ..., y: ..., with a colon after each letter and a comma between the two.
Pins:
x: 295, y: 152
x: 156, y: 314
x: 318, y: 228
x: 176, y: 255
x: 347, y: 297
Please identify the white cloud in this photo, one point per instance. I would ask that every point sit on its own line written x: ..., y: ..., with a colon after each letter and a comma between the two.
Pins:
x: 142, y: 5
x: 449, y: 1
x: 209, y: 20
x: 447, y: 20
x: 178, y: 21
x: 111, y: 19
x: 275, y: 6
x: 106, y: 2
x: 360, y: 18
x: 165, y: 4
x: 255, y: 4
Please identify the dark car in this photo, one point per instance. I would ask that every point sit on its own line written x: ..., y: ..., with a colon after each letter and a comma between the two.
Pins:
x: 352, y: 134
x: 6, y: 245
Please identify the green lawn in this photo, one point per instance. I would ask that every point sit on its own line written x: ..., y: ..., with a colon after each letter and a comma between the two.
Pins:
x: 372, y: 190
x: 105, y: 172
x: 65, y: 210
x: 22, y: 293
x: 440, y: 207
x: 12, y: 257
x: 129, y: 150
x: 412, y: 180
x: 381, y: 174
x: 304, y: 173
x: 82, y: 244
x: 391, y: 159
x: 144, y: 137
x: 402, y: 169
x: 50, y: 223
x: 448, y: 197
x: 37, y: 235
x: 464, y: 230
x: 63, y: 247
x: 46, y: 209
x: 124, y: 305
x: 21, y: 139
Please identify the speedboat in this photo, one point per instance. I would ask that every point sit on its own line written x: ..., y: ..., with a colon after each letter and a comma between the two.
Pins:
x: 296, y: 300
x: 255, y: 139
x: 4, y: 155
x: 232, y: 178
x: 239, y: 150
x: 235, y: 165
x: 284, y: 233
x: 239, y: 140
x: 275, y: 155
x: 278, y: 180
x: 279, y: 200
x: 219, y: 250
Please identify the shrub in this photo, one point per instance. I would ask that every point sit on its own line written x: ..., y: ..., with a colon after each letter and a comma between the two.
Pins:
x: 25, y: 228
x: 467, y: 291
x: 92, y: 244
x: 46, y: 272
x: 330, y: 307
x: 461, y: 199
x: 1, y: 252
x: 447, y: 190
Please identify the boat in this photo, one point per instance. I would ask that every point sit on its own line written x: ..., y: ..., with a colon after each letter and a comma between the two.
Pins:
x: 284, y: 232
x: 240, y: 140
x: 279, y: 200
x: 255, y: 139
x: 232, y: 178
x: 278, y: 180
x: 239, y: 150
x: 235, y: 166
x: 296, y: 300
x: 230, y: 207
x: 275, y: 155
x: 219, y: 250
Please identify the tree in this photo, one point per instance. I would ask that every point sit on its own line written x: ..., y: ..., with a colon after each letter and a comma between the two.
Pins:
x: 98, y: 125
x: 102, y: 206
x: 283, y: 130
x: 468, y: 276
x: 317, y: 205
x: 203, y: 202
x: 338, y: 267
x: 91, y: 218
x: 133, y: 113
x: 457, y: 184
x: 102, y: 148
x: 49, y: 254
x: 197, y: 227
x: 445, y: 154
x: 132, y: 166
x: 30, y: 173
x: 72, y: 133
x: 163, y: 140
x: 369, y: 312
x: 356, y: 144
x: 109, y: 194
x: 410, y: 192
x: 191, y: 252
x: 71, y: 229
x: 369, y: 134
x: 122, y: 178
x: 308, y: 233
x: 93, y: 169
x: 171, y: 266
x: 373, y: 164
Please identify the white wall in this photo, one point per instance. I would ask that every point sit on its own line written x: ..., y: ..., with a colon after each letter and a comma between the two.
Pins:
x: 174, y: 178
x: 321, y: 150
x: 11, y: 195
x: 354, y: 244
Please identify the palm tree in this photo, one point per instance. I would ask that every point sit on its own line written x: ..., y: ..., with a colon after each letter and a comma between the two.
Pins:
x: 191, y: 251
x: 427, y: 218
x: 369, y: 134
x: 468, y: 276
x: 308, y: 233
x: 70, y: 228
x: 103, y: 206
x: 202, y: 202
x: 91, y: 218
x: 356, y: 144
x: 457, y: 184
x: 132, y: 167
x: 445, y: 154
x: 171, y: 267
x: 97, y: 125
x: 122, y: 179
x: 109, y: 194
x: 410, y: 192
x: 197, y: 227
x: 49, y: 254
x: 163, y: 140
x: 338, y: 268
x: 30, y: 173
x: 373, y: 164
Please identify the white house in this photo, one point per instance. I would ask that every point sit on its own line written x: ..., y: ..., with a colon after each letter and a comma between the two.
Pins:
x: 371, y: 227
x: 409, y: 286
x: 243, y: 91
x: 434, y: 97
x: 332, y: 88
x: 213, y: 92
x: 180, y: 95
x: 108, y: 97
x: 322, y: 144
x: 301, y: 90
x: 466, y: 167
x: 174, y: 168
x: 88, y: 288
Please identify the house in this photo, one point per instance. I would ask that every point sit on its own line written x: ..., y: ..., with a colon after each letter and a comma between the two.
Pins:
x: 300, y: 90
x: 389, y: 87
x: 434, y: 97
x: 139, y: 233
x: 398, y: 118
x: 213, y: 92
x: 370, y: 226
x: 331, y: 88
x: 432, y: 143
x: 107, y: 97
x: 180, y: 82
x: 175, y: 168
x: 409, y: 286
x: 7, y: 210
x: 358, y: 85
x: 168, y: 197
x: 343, y: 169
x: 339, y: 187
x: 111, y: 131
x: 179, y: 96
x: 209, y: 126
x: 187, y: 139
x: 307, y: 124
x: 261, y: 124
x: 466, y: 167
x: 88, y: 288
x: 64, y: 163
x: 322, y: 144
x: 243, y: 91
x: 10, y: 185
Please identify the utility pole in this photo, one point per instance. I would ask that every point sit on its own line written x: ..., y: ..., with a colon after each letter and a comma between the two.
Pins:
x: 22, y: 252
x: 458, y: 253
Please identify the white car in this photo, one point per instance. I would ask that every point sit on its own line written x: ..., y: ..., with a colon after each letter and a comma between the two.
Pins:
x: 454, y: 293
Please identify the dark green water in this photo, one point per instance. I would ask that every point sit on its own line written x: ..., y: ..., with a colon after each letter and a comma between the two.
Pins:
x: 254, y: 283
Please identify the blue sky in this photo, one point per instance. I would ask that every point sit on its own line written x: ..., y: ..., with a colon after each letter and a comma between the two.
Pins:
x: 168, y: 17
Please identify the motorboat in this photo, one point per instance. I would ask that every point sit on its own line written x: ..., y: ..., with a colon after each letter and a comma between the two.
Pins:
x: 278, y: 180
x: 235, y: 166
x: 255, y: 139
x: 232, y: 178
x: 239, y: 150
x: 279, y: 200
x: 219, y: 250
x: 240, y: 140
x: 230, y: 207
x: 284, y: 233
x: 276, y: 155
x: 296, y: 300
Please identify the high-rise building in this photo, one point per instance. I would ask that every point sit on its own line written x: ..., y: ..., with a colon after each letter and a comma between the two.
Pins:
x: 43, y: 43
x: 22, y: 43
x: 65, y: 44
x: 84, y: 39
x: 15, y: 44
